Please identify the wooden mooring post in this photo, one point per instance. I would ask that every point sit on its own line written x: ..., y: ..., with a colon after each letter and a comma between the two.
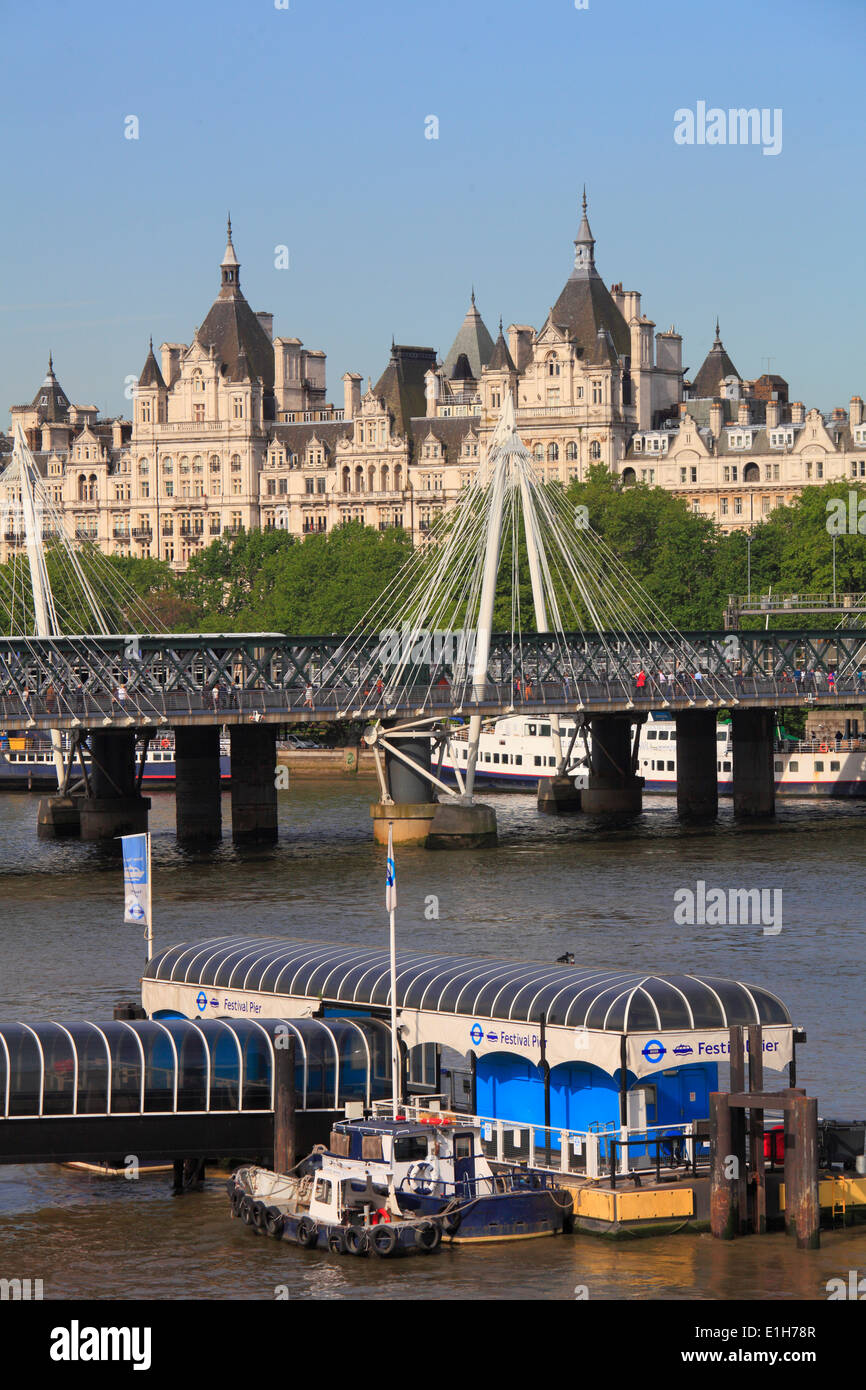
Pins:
x: 731, y: 1211
x: 285, y: 1148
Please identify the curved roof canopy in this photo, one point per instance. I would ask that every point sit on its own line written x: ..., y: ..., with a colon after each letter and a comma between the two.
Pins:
x: 618, y: 1001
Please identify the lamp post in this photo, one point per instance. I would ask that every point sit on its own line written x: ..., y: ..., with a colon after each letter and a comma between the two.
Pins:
x: 749, y: 539
x: 834, y: 571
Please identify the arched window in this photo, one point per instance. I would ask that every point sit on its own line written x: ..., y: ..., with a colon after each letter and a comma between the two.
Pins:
x: 571, y: 451
x: 184, y: 464
x: 628, y: 477
x: 538, y: 453
x: 371, y: 479
x: 167, y: 464
x: 386, y: 477
x: 82, y: 487
x: 552, y: 364
x: 197, y: 381
x: 595, y: 450
x: 347, y: 478
x: 398, y: 477
x: 197, y: 464
x: 235, y: 463
x: 214, y: 463
x: 751, y: 473
x: 359, y: 479
x: 553, y: 453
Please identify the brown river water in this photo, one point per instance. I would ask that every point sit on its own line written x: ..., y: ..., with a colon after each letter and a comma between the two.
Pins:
x: 552, y: 886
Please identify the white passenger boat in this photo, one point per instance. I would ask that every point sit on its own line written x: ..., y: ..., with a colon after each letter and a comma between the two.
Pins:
x: 518, y: 751
x: 29, y: 765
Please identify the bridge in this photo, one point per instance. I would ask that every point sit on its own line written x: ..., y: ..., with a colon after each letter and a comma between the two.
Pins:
x: 426, y: 654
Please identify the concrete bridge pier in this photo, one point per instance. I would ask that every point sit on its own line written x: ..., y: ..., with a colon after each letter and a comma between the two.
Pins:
x: 697, y: 781
x: 114, y: 805
x: 613, y: 786
x: 254, y: 783
x: 412, y: 808
x: 754, y: 780
x: 198, y: 787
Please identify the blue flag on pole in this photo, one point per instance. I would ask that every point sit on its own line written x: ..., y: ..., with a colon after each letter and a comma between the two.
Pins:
x: 136, y: 879
x: 390, y: 876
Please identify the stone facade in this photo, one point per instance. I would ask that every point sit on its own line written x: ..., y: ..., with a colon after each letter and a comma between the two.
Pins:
x: 233, y: 429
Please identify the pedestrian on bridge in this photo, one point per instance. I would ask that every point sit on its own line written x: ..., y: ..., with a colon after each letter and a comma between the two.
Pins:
x: 215, y: 696
x: 308, y: 696
x: 640, y: 681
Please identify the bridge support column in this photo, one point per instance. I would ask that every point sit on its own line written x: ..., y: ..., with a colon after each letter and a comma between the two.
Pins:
x: 557, y: 795
x: 754, y: 780
x: 114, y: 806
x: 254, y: 784
x: 412, y: 807
x: 613, y: 786
x: 697, y: 783
x: 198, y: 788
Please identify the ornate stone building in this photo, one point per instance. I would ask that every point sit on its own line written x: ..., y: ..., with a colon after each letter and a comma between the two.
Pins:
x: 233, y: 430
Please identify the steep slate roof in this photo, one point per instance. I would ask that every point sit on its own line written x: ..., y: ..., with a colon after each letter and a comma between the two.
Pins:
x: 716, y: 366
x: 51, y: 402
x: 296, y: 437
x: 235, y: 331
x: 500, y: 358
x: 585, y: 305
x: 151, y: 375
x: 401, y: 385
x: 450, y: 432
x: 472, y: 339
x: 462, y: 369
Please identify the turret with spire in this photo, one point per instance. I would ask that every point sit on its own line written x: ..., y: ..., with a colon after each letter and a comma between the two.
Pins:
x: 230, y: 266
x: 584, y: 243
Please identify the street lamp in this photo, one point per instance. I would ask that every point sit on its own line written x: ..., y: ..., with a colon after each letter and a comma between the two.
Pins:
x: 834, y: 571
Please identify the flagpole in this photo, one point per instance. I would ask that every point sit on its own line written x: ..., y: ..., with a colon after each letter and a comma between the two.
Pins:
x: 149, y: 933
x: 392, y: 904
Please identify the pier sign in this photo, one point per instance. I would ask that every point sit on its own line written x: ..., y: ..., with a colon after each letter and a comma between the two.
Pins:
x: 646, y: 1052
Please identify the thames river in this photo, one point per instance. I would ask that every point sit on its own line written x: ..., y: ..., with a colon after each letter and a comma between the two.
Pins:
x: 551, y: 886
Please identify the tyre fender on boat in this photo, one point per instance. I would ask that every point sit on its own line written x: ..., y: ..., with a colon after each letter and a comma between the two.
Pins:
x: 260, y: 1215
x: 246, y: 1209
x: 356, y: 1240
x: 337, y: 1243
x: 274, y: 1222
x: 383, y: 1239
x: 306, y: 1232
x: 450, y: 1221
x: 427, y: 1236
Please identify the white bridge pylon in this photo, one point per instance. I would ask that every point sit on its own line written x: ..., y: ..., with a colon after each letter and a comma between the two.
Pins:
x: 514, y: 555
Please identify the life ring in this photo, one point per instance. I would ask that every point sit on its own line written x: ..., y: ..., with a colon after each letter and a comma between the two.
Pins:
x: 165, y: 743
x: 383, y: 1239
x: 420, y: 1178
x: 307, y: 1233
x: 428, y: 1236
x: 823, y: 748
x: 382, y: 1216
x: 337, y: 1243
x: 356, y: 1240
x: 350, y: 759
x: 274, y: 1222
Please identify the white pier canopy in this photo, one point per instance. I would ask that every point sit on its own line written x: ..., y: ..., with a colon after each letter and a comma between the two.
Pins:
x: 645, y: 1022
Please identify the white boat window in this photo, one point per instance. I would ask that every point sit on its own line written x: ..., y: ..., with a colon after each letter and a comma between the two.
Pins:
x: 793, y: 765
x: 651, y: 733
x: 670, y: 767
x: 778, y: 767
x: 726, y: 767
x: 519, y: 759
x: 544, y: 730
x: 530, y: 729
x: 721, y: 736
x: 819, y: 767
x: 834, y: 767
x: 323, y: 1190
x: 496, y: 757
x: 409, y: 1147
x: 537, y: 761
x: 663, y: 733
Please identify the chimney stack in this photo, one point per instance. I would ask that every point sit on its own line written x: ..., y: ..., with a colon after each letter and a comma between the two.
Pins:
x: 855, y: 414
x: 798, y: 413
x: 717, y: 415
x: 773, y: 412
x: 351, y: 394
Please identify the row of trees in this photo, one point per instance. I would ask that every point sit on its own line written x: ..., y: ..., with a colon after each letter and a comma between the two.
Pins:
x: 262, y: 581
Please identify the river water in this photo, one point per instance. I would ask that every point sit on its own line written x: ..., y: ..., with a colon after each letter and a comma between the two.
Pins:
x: 552, y: 885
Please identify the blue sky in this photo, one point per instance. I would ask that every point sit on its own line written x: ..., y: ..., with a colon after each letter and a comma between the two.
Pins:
x: 309, y: 123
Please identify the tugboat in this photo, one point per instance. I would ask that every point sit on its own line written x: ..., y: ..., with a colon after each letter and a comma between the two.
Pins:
x: 331, y: 1205
x: 397, y: 1186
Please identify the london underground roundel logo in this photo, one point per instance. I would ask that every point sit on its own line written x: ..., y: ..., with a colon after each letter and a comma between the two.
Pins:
x: 653, y: 1050
x: 476, y: 1033
x: 201, y: 1000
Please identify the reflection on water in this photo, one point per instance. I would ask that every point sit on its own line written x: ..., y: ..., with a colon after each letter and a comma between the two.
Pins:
x: 553, y: 885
